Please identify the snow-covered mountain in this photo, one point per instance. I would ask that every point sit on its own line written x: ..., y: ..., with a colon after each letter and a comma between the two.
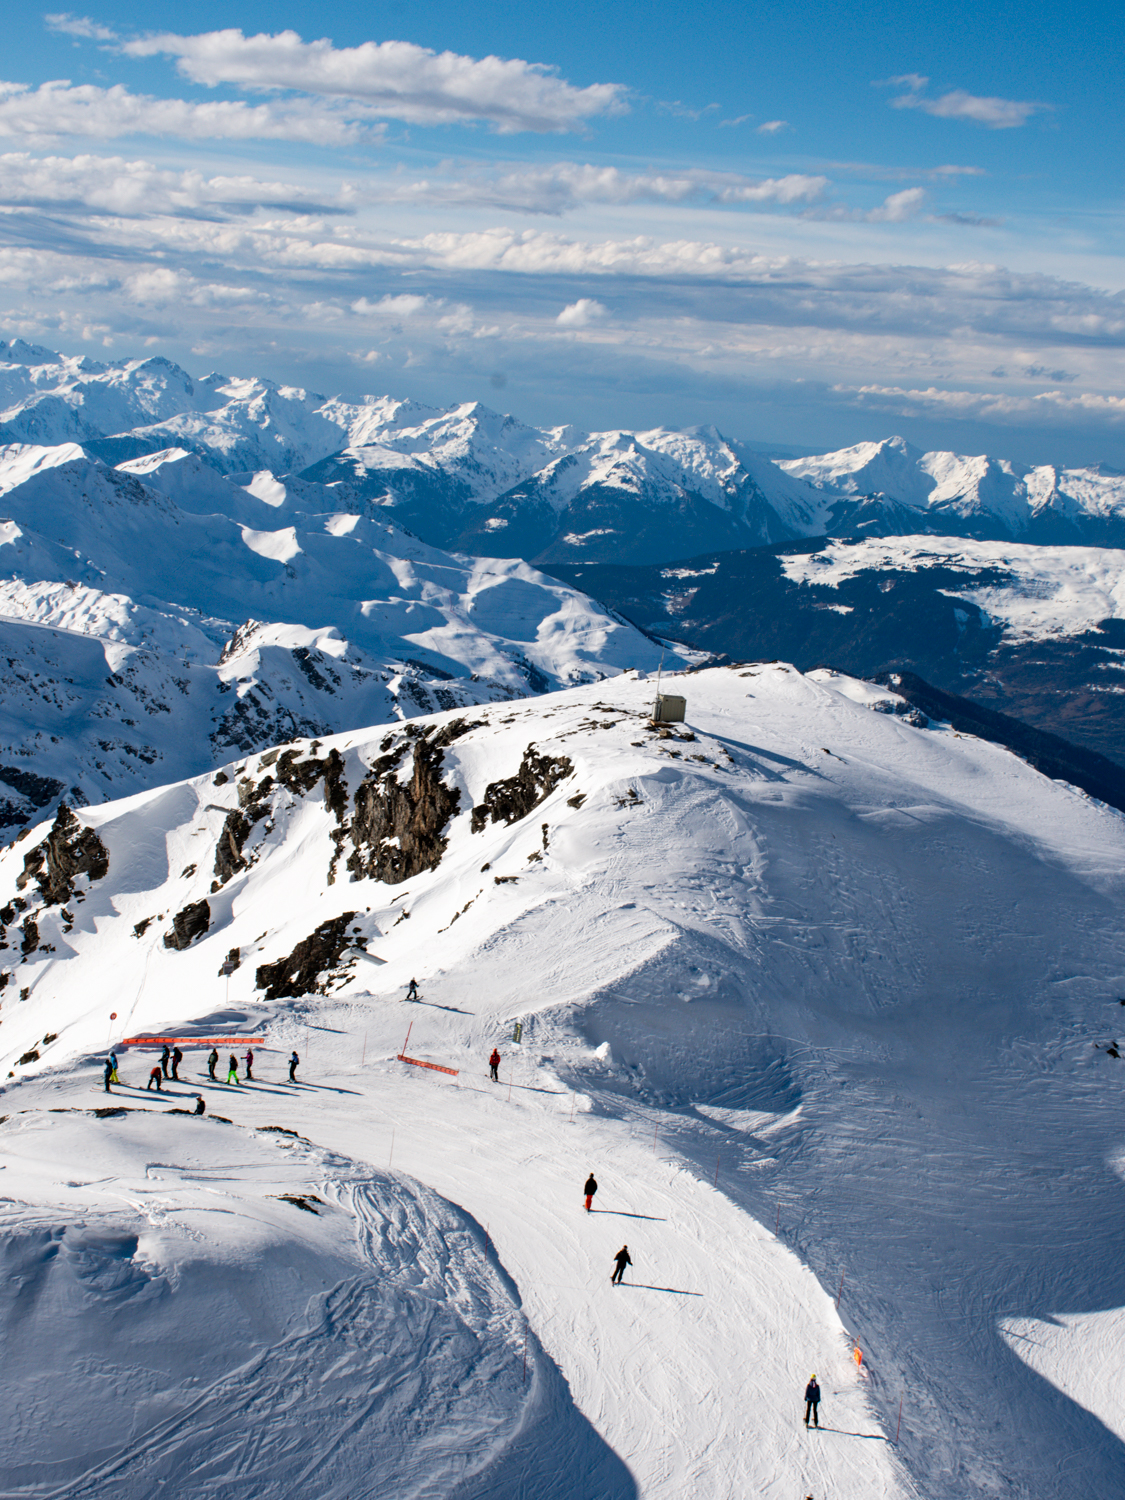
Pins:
x: 824, y: 996
x: 157, y: 616
x: 892, y: 488
x: 1037, y: 632
x: 476, y: 480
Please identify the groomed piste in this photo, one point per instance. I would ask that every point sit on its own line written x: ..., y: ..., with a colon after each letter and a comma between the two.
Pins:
x: 822, y: 997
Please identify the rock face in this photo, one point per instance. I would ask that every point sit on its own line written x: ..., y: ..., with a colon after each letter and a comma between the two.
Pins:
x: 188, y: 924
x: 398, y: 827
x: 509, y: 800
x: 299, y: 973
x: 69, y: 850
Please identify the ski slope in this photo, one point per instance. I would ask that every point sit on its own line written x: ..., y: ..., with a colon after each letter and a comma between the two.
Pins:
x: 821, y: 998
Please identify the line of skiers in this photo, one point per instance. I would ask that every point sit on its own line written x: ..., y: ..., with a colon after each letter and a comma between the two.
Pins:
x: 171, y: 1059
x: 623, y: 1259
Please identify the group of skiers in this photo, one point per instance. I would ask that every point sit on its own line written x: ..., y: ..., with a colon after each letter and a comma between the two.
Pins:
x: 623, y: 1259
x: 168, y: 1069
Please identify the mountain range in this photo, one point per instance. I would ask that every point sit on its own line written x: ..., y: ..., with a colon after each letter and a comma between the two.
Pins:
x: 190, y: 567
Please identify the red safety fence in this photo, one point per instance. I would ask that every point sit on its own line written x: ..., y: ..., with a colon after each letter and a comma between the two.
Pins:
x: 192, y: 1041
x: 417, y: 1063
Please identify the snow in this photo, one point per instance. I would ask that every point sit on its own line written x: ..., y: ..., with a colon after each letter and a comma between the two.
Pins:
x: 815, y: 994
x: 1042, y: 592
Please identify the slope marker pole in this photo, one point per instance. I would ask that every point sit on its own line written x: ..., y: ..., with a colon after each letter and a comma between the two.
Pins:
x: 363, y: 1058
x: 655, y: 1128
x: 777, y: 1220
x: 525, y: 1351
x: 391, y: 1158
x: 898, y: 1428
x: 509, y: 1088
x: 409, y: 1029
x: 717, y: 1160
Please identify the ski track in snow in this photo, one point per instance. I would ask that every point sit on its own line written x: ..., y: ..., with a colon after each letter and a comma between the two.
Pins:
x: 843, y: 979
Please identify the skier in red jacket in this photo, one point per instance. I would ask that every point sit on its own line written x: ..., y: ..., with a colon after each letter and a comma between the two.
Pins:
x: 494, y: 1065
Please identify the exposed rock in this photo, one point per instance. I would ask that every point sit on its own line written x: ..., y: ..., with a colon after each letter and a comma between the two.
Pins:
x: 29, y: 1057
x: 30, y: 936
x: 228, y: 849
x: 398, y: 828
x: 69, y: 850
x: 187, y: 925
x: 315, y: 955
x: 510, y: 800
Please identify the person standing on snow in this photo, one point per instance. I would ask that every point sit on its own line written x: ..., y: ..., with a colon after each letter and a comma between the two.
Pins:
x: 200, y: 1106
x: 212, y: 1064
x: 293, y: 1062
x: 154, y: 1077
x: 623, y: 1259
x: 108, y: 1074
x: 812, y: 1402
x: 412, y: 990
x: 164, y: 1056
x: 177, y: 1059
x: 590, y: 1189
x: 113, y: 1078
x: 249, y: 1065
x: 232, y: 1071
x: 494, y: 1066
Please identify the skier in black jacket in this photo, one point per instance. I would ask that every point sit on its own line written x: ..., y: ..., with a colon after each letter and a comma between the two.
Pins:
x: 212, y: 1064
x: 200, y: 1106
x: 108, y: 1075
x: 164, y: 1056
x: 590, y: 1189
x: 812, y: 1402
x: 177, y: 1059
x: 294, y: 1060
x: 623, y: 1259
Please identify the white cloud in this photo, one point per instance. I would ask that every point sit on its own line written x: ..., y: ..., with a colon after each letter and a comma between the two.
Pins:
x: 111, y: 184
x: 774, y: 127
x: 563, y: 186
x: 80, y: 26
x: 398, y: 80
x: 898, y: 207
x: 582, y: 313
x: 997, y: 114
x: 990, y: 405
x: 60, y: 108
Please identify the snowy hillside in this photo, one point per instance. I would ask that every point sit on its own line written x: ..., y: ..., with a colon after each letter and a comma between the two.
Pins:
x: 821, y: 996
x: 157, y: 617
x: 892, y: 488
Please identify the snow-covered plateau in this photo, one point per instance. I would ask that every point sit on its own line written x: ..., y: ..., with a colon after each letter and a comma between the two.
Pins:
x: 827, y: 1000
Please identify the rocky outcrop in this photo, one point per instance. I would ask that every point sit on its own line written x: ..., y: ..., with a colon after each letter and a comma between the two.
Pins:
x: 512, y: 799
x: 69, y: 850
x: 299, y: 776
x: 187, y: 925
x: 398, y: 828
x: 299, y: 973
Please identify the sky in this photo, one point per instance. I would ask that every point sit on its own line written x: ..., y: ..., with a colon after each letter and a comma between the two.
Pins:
x: 807, y: 225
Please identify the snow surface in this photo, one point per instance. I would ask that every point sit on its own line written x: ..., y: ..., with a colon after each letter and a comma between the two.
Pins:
x: 821, y: 998
x: 1040, y: 591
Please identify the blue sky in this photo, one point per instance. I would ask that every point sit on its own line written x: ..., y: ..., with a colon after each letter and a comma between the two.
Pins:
x: 808, y: 225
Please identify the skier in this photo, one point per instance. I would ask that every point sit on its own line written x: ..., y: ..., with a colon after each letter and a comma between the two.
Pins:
x: 232, y: 1071
x: 250, y: 1065
x: 177, y: 1059
x: 154, y: 1077
x: 164, y: 1056
x: 812, y: 1402
x: 590, y: 1189
x: 113, y: 1078
x: 623, y: 1259
x: 212, y: 1064
x: 108, y: 1074
x: 293, y: 1061
x: 412, y: 990
x: 200, y: 1106
x: 494, y: 1065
